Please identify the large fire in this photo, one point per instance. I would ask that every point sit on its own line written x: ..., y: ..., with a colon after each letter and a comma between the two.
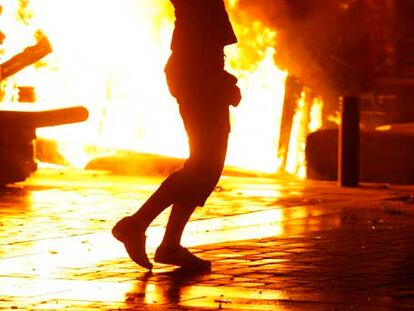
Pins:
x: 109, y: 56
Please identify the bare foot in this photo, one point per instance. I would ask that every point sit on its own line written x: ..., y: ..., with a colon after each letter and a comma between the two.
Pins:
x: 134, y: 241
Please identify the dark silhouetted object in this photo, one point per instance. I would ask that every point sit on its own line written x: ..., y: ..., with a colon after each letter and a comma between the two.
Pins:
x: 18, y: 128
x: 348, y: 147
x: 29, y: 56
x: 17, y: 134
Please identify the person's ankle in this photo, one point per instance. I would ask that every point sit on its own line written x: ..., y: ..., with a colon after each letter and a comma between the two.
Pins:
x: 139, y: 222
x: 169, y: 245
x: 180, y: 256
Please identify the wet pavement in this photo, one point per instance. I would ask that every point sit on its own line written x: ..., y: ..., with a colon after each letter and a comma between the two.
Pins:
x: 276, y: 243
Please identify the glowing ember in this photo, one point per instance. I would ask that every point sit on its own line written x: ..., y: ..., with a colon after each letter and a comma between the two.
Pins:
x: 110, y: 55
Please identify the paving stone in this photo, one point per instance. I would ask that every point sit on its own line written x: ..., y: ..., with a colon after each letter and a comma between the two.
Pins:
x: 275, y: 243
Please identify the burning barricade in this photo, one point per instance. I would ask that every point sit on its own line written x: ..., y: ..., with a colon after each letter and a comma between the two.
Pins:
x: 18, y: 123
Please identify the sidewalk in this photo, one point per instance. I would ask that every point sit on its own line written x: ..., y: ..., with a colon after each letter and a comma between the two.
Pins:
x: 275, y: 243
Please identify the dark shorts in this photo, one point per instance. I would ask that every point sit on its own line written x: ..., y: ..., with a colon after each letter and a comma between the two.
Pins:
x: 205, y: 115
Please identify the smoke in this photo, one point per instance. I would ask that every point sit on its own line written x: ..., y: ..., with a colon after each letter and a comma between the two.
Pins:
x: 323, y: 42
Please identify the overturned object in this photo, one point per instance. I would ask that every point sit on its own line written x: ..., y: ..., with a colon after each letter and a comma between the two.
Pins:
x: 17, y: 133
x: 384, y: 156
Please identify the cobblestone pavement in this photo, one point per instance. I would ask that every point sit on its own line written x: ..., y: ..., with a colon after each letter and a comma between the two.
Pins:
x: 276, y: 243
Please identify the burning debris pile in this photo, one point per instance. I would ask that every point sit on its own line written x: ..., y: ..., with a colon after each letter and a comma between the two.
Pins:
x: 17, y: 127
x: 17, y: 135
x: 127, y: 96
x: 116, y: 69
x: 293, y: 60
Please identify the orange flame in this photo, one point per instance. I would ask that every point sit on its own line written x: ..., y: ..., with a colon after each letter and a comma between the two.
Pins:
x: 307, y: 119
x: 109, y: 56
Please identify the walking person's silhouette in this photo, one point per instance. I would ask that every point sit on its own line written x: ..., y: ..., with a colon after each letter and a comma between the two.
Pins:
x: 204, y: 90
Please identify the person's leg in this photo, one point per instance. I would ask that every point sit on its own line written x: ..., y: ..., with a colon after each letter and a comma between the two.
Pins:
x: 155, y: 205
x: 170, y: 251
x: 180, y: 215
x: 207, y: 132
x: 131, y: 229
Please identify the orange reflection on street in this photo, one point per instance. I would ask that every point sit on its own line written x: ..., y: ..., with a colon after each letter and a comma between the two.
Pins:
x: 57, y: 250
x: 234, y: 228
x: 302, y: 220
x: 174, y: 290
x: 228, y: 228
x: 234, y: 298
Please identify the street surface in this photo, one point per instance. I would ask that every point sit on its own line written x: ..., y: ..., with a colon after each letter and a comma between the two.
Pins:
x: 276, y: 243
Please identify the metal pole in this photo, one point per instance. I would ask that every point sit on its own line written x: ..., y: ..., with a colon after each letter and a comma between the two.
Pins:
x: 348, y: 142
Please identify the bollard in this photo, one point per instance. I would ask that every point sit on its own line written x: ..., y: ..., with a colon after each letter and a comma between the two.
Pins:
x: 348, y: 142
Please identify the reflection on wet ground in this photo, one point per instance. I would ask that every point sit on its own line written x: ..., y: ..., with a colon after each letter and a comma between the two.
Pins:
x: 275, y: 243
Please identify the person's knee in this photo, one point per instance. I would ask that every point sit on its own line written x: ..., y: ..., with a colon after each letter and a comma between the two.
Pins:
x: 211, y: 171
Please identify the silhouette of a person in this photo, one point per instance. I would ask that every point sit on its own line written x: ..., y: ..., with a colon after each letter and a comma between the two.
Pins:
x: 204, y: 90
